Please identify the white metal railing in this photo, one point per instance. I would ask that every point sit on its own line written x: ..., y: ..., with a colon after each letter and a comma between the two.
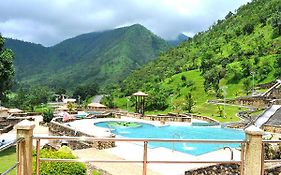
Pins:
x: 8, y: 145
x: 145, y: 142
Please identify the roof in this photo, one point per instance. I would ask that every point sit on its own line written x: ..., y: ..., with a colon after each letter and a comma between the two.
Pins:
x: 62, y: 108
x: 71, y: 100
x: 275, y: 119
x: 139, y: 93
x: 3, y: 108
x: 15, y: 110
x: 96, y: 105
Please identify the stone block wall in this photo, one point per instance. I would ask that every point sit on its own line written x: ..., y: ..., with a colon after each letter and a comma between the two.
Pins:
x: 204, y: 118
x: 229, y: 169
x: 275, y: 129
x: 261, y: 102
x: 5, y: 128
x: 58, y: 129
x: 7, y: 125
x: 168, y: 117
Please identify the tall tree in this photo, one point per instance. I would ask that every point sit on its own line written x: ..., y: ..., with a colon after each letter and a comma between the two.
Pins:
x: 6, y: 69
x: 85, y: 91
x: 247, y: 85
x: 189, y: 102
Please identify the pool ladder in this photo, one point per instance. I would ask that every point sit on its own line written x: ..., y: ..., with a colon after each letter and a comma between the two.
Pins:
x: 174, y: 137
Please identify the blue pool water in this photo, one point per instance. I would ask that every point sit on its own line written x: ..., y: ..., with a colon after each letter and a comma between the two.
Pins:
x: 180, y: 132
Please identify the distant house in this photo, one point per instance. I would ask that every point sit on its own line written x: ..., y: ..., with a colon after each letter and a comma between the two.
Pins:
x: 62, y: 108
x: 69, y: 100
x: 96, y: 106
x: 15, y: 111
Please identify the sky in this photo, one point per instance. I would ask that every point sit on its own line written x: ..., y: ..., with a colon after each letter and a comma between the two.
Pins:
x: 49, y: 22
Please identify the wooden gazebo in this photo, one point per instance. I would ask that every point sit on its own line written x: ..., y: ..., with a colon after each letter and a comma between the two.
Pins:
x: 140, y: 100
x: 96, y: 106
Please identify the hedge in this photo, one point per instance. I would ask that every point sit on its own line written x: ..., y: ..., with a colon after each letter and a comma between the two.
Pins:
x: 60, y: 168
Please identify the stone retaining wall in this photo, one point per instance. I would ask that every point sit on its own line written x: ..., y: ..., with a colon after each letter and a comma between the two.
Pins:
x: 266, y: 85
x: 275, y: 129
x: 204, y: 118
x: 258, y: 102
x: 8, y: 124
x: 230, y: 169
x: 237, y: 125
x: 166, y: 117
x: 5, y: 128
x: 61, y: 130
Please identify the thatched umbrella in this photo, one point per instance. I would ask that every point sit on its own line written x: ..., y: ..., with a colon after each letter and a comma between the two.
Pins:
x: 140, y: 100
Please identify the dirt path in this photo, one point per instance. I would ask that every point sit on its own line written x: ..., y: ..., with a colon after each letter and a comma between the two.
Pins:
x: 112, y: 168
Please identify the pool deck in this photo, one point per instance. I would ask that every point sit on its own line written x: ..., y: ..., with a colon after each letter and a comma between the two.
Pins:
x: 131, y: 151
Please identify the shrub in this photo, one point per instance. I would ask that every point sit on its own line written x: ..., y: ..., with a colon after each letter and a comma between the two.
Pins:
x: 183, y: 78
x: 248, y: 28
x: 48, y: 115
x: 58, y: 168
x: 95, y: 172
x: 189, y: 83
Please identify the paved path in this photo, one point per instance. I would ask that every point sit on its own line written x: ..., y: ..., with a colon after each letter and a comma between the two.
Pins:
x: 276, y: 85
x: 112, y: 168
x: 97, y: 99
x: 266, y: 115
x: 129, y: 151
x: 38, y: 131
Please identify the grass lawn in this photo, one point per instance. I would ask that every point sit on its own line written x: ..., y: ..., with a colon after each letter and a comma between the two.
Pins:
x: 211, y: 110
x: 199, y: 95
x: 7, y: 159
x: 41, y: 108
x: 180, y: 90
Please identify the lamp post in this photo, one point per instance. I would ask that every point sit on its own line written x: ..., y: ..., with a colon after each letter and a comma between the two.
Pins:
x: 127, y: 104
x: 224, y: 96
x: 171, y: 101
x: 253, y: 75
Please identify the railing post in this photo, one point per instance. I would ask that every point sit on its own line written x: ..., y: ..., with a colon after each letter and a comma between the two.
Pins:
x: 25, y: 130
x: 253, y: 151
x: 38, y: 157
x: 144, y: 158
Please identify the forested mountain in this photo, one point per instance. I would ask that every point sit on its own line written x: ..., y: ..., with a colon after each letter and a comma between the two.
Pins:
x: 102, y: 57
x: 233, y: 51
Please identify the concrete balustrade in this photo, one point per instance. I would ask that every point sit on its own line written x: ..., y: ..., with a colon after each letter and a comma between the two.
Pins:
x: 25, y: 130
x: 253, y: 151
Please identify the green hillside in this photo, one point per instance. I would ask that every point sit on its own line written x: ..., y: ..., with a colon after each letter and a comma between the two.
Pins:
x: 246, y: 42
x: 102, y: 57
x: 30, y: 58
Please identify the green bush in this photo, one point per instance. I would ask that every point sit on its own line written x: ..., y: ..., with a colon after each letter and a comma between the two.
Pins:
x: 95, y: 172
x: 48, y: 115
x: 60, y: 168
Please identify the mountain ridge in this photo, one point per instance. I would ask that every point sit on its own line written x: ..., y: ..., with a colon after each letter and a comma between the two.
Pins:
x: 105, y: 57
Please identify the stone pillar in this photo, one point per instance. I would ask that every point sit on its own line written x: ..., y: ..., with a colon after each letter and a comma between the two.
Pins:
x: 253, y: 151
x: 25, y: 130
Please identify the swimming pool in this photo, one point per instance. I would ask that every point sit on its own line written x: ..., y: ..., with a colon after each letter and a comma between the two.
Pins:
x: 82, y: 114
x: 179, y: 132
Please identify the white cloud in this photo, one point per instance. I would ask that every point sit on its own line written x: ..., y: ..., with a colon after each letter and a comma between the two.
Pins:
x: 50, y: 21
